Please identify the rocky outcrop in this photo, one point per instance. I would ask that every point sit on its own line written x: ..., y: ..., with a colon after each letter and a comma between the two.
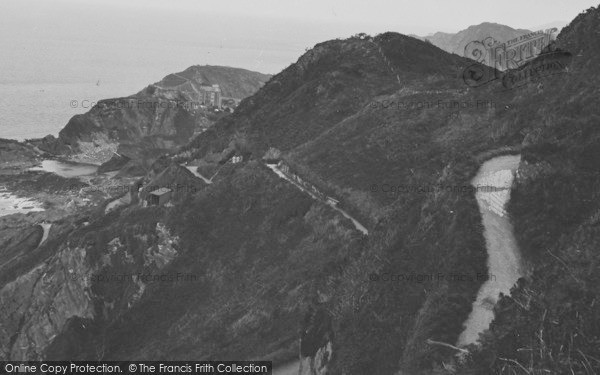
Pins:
x: 128, y: 127
x: 41, y: 304
x: 315, y: 344
x: 158, y: 119
x: 318, y: 363
x: 16, y: 241
x: 114, y: 164
x: 37, y: 304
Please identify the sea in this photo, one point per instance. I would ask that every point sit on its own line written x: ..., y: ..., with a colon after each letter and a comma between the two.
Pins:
x: 58, y: 58
x: 46, y: 81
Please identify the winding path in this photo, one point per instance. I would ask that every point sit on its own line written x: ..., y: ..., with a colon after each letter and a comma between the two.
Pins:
x: 493, y: 183
x: 124, y: 200
x: 505, y: 266
x: 195, y: 172
x: 281, y: 174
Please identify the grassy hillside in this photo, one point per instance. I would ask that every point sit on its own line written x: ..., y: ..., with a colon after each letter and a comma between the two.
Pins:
x: 159, y: 119
x: 327, y: 85
x: 331, y: 115
x: 349, y: 149
x: 258, y: 251
x: 554, y: 314
x: 355, y: 117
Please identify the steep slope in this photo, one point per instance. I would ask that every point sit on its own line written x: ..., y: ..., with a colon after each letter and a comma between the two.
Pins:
x: 551, y: 322
x: 352, y: 142
x: 304, y: 253
x: 327, y: 85
x: 237, y: 263
x: 429, y: 152
x: 156, y: 120
x: 388, y: 127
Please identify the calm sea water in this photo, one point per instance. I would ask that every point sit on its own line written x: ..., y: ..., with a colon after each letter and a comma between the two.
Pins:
x: 55, y: 54
x: 47, y: 82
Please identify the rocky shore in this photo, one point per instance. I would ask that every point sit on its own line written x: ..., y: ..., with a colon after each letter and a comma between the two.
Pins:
x: 30, y: 195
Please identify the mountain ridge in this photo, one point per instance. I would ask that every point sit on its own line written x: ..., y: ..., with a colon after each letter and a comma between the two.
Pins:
x: 156, y: 120
x: 456, y: 42
x: 272, y: 262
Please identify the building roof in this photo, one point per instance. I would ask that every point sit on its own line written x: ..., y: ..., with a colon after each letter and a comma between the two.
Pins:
x: 161, y: 191
x: 213, y: 88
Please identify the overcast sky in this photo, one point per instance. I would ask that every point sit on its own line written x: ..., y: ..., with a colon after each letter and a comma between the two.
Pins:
x: 406, y: 16
x: 263, y: 35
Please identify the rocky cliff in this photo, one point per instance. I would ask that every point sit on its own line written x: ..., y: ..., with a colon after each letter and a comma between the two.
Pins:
x: 134, y: 130
x: 386, y: 125
x: 554, y: 314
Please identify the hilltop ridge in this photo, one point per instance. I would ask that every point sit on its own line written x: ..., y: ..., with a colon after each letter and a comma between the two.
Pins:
x: 456, y: 42
x: 133, y: 131
x: 387, y: 126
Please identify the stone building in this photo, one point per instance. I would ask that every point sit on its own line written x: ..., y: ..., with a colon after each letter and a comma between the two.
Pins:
x: 210, y: 95
x: 159, y: 197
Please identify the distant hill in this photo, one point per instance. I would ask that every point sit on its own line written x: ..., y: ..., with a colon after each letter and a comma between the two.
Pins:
x: 272, y: 266
x: 455, y: 43
x: 158, y: 119
x: 234, y: 82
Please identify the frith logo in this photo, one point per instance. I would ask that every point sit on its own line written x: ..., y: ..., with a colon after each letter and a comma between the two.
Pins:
x: 515, y: 62
x: 513, y: 53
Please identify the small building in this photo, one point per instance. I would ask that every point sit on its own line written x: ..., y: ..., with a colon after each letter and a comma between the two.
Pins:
x: 272, y: 156
x: 237, y: 159
x: 159, y: 197
x: 284, y: 167
x: 210, y: 95
x: 332, y: 201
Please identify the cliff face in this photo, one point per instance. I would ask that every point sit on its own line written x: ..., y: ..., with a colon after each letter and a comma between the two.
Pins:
x: 371, y: 122
x: 228, y: 270
x: 38, y: 303
x: 555, y: 211
x: 158, y: 119
x: 130, y: 126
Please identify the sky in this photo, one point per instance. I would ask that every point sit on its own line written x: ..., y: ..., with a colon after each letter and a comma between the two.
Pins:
x: 55, y: 51
x: 263, y: 35
x: 407, y: 16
